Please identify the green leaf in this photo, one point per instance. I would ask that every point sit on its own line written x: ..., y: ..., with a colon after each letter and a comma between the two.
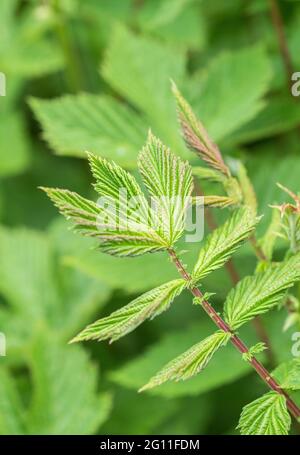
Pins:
x: 186, y: 29
x: 125, y: 320
x: 26, y: 49
x: 223, y: 242
x: 288, y: 375
x: 284, y: 171
x: 111, y: 179
x: 196, y: 137
x: 249, y: 196
x: 29, y: 264
x: 206, y: 173
x: 128, y: 68
x: 135, y: 373
x: 279, y: 116
x: 256, y: 349
x: 214, y: 201
x: 83, y: 212
x: 190, y: 362
x: 11, y: 415
x: 267, y: 242
x: 123, y: 229
x: 257, y: 294
x: 267, y: 415
x: 138, y: 274
x: 170, y: 185
x: 60, y: 400
x: 134, y: 224
x: 13, y: 136
x: 99, y: 124
x: 135, y: 414
x: 64, y: 402
x: 157, y: 14
x: 240, y: 79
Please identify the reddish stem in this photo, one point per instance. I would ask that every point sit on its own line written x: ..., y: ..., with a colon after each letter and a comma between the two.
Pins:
x: 235, y: 340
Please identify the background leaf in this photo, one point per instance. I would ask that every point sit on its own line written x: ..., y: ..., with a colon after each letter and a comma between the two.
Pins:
x: 100, y: 125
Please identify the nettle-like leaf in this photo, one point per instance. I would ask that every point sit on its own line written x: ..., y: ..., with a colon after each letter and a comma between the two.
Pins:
x: 215, y: 201
x: 190, y: 362
x: 81, y: 211
x: 254, y: 350
x: 196, y: 137
x: 223, y: 242
x: 121, y: 220
x: 288, y: 375
x: 257, y: 294
x: 268, y: 415
x: 125, y: 320
x: 169, y: 182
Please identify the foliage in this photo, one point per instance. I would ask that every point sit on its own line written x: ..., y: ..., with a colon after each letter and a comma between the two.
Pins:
x: 266, y: 416
x: 94, y: 76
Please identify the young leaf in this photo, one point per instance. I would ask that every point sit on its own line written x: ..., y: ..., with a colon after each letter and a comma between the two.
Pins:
x: 122, y: 219
x: 214, y: 201
x: 288, y: 375
x: 267, y: 415
x: 247, y: 188
x: 257, y: 294
x: 206, y: 173
x: 125, y: 320
x: 256, y: 349
x: 190, y: 362
x: 112, y: 178
x: 196, y: 137
x: 81, y: 211
x: 136, y: 372
x: 223, y: 242
x: 169, y: 182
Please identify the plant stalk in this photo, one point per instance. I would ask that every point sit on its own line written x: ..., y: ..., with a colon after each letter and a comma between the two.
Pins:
x: 235, y: 340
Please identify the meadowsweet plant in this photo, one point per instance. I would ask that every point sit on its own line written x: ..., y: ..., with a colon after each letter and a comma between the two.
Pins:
x: 156, y: 221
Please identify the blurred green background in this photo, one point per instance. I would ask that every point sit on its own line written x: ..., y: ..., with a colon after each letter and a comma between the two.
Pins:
x: 95, y: 75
